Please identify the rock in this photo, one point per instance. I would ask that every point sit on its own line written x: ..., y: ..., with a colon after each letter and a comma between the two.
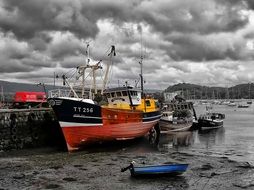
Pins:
x: 69, y: 179
x: 56, y: 167
x: 206, y: 167
x: 18, y: 176
x: 245, y: 165
x: 207, y: 174
x: 243, y: 184
x: 52, y: 186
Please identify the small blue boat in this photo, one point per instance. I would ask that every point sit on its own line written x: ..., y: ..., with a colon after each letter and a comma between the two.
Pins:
x: 164, y: 169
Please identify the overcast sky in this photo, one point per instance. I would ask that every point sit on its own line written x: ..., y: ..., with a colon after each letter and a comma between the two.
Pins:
x: 208, y: 42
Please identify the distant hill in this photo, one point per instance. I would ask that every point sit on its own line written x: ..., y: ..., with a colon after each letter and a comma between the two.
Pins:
x: 9, y: 89
x: 12, y: 87
x: 193, y: 91
x: 189, y: 91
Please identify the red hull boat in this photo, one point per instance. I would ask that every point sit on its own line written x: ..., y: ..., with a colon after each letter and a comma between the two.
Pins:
x: 128, y: 113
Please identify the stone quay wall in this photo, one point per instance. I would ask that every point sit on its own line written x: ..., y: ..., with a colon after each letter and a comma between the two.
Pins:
x: 25, y: 128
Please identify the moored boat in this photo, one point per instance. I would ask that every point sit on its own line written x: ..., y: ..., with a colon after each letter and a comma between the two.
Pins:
x: 176, y: 117
x: 127, y: 114
x: 243, y: 106
x: 249, y: 102
x: 232, y: 104
x: 154, y: 170
x: 210, y: 120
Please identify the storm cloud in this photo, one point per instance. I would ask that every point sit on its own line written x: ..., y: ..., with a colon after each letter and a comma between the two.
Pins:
x: 213, y: 36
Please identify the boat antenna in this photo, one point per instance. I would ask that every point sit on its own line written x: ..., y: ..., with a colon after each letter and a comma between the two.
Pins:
x: 141, y: 76
x: 141, y: 62
x: 2, y: 94
x: 82, y: 69
x: 87, y: 52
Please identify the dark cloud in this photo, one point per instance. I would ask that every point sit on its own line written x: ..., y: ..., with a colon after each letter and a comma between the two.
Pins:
x: 72, y: 62
x: 250, y: 3
x: 60, y: 49
x: 26, y: 18
x: 249, y: 35
x: 37, y: 35
x: 192, y: 16
x: 203, y: 48
x: 14, y: 66
x: 40, y: 41
x: 37, y: 63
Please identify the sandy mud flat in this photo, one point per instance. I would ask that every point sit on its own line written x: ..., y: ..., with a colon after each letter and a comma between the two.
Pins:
x: 50, y: 169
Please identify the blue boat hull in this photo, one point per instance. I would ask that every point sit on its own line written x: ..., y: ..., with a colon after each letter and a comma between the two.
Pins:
x: 172, y: 169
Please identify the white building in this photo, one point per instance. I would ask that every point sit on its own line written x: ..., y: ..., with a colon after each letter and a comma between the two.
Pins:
x: 169, y: 96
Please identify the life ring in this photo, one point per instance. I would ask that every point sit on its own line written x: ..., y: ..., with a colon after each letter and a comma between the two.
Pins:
x: 14, y: 138
x: 35, y: 135
x: 14, y: 130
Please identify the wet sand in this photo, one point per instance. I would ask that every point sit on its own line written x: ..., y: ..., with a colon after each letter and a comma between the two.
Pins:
x: 48, y: 168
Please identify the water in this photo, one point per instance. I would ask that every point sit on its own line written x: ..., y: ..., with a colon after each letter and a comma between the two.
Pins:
x: 98, y: 167
x: 234, y: 140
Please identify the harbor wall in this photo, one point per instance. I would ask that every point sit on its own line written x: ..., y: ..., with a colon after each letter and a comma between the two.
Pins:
x: 27, y: 128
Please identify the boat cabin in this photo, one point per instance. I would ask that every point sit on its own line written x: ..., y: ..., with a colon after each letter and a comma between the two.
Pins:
x: 123, y: 95
x: 212, y: 116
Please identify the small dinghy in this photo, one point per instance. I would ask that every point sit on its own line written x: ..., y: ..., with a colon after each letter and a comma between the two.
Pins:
x: 154, y: 170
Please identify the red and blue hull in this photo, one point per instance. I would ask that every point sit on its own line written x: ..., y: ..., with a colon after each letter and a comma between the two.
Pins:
x: 84, y: 123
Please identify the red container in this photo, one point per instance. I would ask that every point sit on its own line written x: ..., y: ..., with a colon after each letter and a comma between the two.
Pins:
x: 25, y: 97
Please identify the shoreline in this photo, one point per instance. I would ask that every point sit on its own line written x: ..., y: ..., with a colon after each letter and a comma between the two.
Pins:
x: 47, y: 168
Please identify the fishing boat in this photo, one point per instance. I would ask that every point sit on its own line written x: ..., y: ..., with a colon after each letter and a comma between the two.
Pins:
x: 176, y: 117
x: 210, y: 120
x: 243, y: 106
x: 155, y: 170
x: 249, y: 102
x: 232, y: 104
x: 125, y: 114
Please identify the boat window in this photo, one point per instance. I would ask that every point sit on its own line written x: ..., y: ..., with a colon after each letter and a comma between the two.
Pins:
x: 39, y: 97
x: 124, y: 93
x: 148, y: 103
x: 112, y: 94
x: 108, y: 95
x: 118, y: 94
x: 133, y: 93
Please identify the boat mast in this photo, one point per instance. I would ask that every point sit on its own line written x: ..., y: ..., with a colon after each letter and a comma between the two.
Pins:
x: 66, y: 81
x: 249, y: 90
x: 141, y: 65
x: 141, y: 76
x: 83, y: 68
x: 2, y: 94
x: 105, y: 80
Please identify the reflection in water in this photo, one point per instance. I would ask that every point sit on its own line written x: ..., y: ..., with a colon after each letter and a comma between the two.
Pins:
x: 188, y: 139
x: 211, y: 137
x: 234, y: 138
x: 175, y: 140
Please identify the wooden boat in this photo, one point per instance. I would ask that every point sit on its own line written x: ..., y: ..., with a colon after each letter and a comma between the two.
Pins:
x: 154, y: 170
x: 243, y: 106
x: 211, y: 120
x: 232, y: 104
x: 176, y: 117
x: 249, y: 102
x: 127, y: 114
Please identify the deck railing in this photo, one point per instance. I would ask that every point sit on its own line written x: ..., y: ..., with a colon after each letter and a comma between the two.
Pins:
x: 59, y: 93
